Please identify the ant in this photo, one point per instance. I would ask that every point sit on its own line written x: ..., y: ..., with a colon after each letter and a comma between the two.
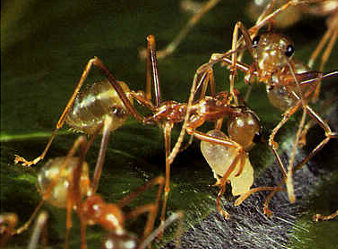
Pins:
x: 194, y: 114
x: 289, y: 83
x: 119, y: 98
x: 314, y: 7
x: 63, y: 182
x: 98, y: 109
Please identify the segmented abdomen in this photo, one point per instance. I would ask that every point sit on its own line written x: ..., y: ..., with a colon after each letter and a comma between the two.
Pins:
x: 93, y: 104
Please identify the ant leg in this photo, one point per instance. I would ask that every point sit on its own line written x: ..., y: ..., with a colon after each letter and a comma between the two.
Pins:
x: 227, y: 143
x: 235, y: 45
x: 74, y: 196
x: 102, y: 153
x: 264, y: 19
x: 328, y: 135
x: 176, y: 149
x: 311, y: 123
x: 59, y: 124
x: 79, y: 142
x: 167, y: 137
x: 299, y: 101
x: 25, y: 226
x: 151, y: 208
x: 223, y: 182
x: 203, y: 83
x: 299, y: 166
x: 266, y: 209
x: 318, y: 217
x: 152, y: 68
x: 40, y: 226
x: 211, y: 139
x: 325, y: 57
x: 244, y: 196
x: 328, y: 50
x: 170, y: 156
x: 74, y: 189
x: 171, y: 47
x: 267, y: 10
x: 286, y: 116
x: 289, y: 184
x: 206, y: 79
x: 129, y: 106
x: 319, y: 48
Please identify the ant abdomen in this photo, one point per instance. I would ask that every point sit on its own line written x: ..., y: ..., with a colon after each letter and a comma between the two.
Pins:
x: 55, y: 177
x: 243, y: 128
x: 220, y: 158
x: 90, y: 107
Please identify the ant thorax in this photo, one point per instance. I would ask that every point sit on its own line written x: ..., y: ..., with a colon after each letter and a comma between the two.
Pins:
x: 171, y: 111
x: 220, y: 158
x: 55, y: 177
x: 212, y: 108
x: 90, y: 107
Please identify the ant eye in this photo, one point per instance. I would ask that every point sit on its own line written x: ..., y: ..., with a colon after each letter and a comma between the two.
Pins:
x: 255, y: 41
x: 258, y: 137
x: 289, y: 50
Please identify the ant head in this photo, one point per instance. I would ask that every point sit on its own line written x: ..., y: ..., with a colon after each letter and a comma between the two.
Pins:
x: 272, y: 51
x: 109, y: 216
x: 119, y: 241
